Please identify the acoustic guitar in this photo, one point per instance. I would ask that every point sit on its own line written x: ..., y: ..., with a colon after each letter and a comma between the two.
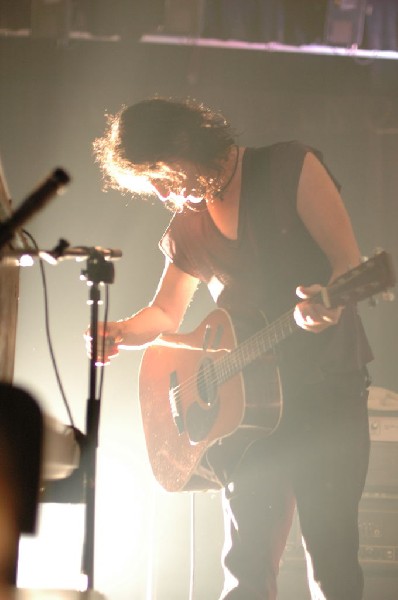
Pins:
x: 191, y: 387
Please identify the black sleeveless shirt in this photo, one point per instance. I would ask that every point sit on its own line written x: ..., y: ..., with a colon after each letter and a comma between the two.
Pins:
x: 272, y: 255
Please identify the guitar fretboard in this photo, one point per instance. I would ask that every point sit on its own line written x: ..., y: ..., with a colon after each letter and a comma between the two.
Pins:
x: 254, y: 347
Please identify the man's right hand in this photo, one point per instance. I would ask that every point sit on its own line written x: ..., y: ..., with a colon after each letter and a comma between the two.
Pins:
x: 108, y: 340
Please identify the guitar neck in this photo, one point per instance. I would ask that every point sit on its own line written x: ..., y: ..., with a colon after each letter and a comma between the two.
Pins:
x: 255, y: 346
x: 363, y: 281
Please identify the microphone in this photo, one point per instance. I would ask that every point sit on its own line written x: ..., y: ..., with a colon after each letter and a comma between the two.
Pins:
x: 53, y: 184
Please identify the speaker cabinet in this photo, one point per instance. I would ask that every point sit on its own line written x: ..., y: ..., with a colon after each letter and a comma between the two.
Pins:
x: 378, y: 531
x: 378, y: 511
x: 378, y: 551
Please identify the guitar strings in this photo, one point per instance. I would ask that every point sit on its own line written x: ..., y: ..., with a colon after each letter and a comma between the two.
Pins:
x: 275, y: 332
x: 286, y: 324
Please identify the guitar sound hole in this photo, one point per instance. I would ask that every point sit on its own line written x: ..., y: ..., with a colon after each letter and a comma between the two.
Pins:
x: 202, y: 414
x: 207, y: 383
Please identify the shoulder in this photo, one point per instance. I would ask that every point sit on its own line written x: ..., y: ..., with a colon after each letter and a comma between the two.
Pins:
x: 286, y: 162
x: 284, y: 146
x: 293, y: 150
x: 289, y: 159
x: 282, y: 155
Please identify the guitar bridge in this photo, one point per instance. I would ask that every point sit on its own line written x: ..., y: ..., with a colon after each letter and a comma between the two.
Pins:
x: 175, y: 403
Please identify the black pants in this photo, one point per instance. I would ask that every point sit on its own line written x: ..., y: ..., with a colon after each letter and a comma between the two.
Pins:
x: 317, y: 460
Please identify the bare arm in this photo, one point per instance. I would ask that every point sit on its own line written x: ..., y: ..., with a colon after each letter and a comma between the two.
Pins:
x: 322, y: 211
x: 163, y: 315
x: 166, y: 311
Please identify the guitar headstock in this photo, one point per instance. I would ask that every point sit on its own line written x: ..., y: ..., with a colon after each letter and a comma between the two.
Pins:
x: 374, y: 275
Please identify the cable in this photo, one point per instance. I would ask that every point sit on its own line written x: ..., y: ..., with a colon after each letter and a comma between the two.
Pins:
x: 106, y: 312
x: 48, y: 333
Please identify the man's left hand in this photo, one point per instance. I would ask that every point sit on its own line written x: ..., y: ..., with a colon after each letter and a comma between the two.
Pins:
x: 312, y: 316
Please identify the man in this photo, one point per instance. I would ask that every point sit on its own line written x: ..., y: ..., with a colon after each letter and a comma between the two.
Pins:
x: 257, y: 226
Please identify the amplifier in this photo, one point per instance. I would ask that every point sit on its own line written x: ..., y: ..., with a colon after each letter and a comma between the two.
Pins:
x: 383, y: 428
x: 378, y: 530
x: 383, y: 467
x: 378, y: 509
x: 378, y: 534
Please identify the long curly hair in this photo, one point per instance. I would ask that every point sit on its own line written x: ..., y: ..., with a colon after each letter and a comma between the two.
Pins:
x: 143, y: 143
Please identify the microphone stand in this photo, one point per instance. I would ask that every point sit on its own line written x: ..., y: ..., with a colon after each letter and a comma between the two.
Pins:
x: 98, y: 271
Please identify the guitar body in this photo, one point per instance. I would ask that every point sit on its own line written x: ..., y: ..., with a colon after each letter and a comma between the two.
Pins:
x: 192, y: 390
x: 176, y: 443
